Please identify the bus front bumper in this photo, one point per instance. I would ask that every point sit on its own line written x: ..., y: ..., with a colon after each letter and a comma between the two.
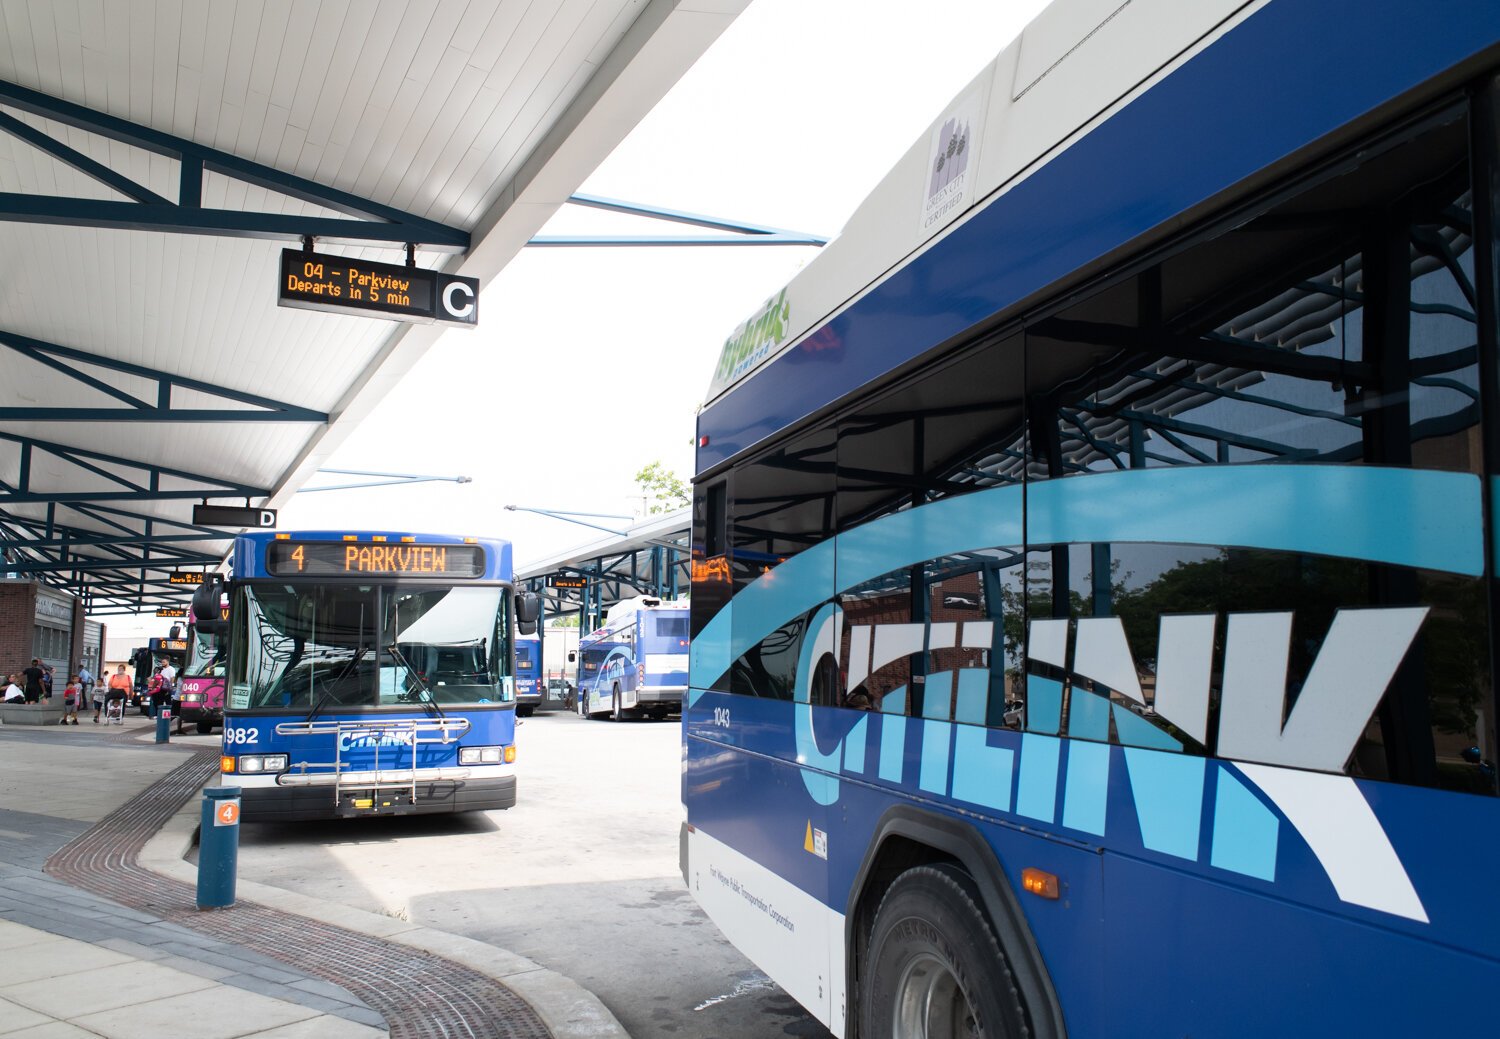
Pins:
x: 293, y: 803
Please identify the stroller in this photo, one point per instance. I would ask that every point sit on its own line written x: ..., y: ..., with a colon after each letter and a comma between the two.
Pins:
x: 114, y: 708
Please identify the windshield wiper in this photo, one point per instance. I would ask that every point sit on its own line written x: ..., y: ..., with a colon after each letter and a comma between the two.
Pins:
x: 333, y: 683
x: 426, y: 700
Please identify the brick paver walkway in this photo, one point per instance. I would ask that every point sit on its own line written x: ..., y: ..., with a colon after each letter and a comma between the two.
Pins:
x: 420, y: 995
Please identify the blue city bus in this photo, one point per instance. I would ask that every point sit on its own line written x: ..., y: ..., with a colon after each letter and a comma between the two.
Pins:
x: 529, y: 690
x: 637, y: 662
x: 370, y: 674
x: 1094, y: 550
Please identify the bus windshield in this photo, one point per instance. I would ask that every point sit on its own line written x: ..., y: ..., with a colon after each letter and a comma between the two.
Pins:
x: 205, y: 655
x: 371, y: 646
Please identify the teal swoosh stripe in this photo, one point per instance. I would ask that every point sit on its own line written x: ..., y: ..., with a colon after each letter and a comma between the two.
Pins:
x: 1406, y: 517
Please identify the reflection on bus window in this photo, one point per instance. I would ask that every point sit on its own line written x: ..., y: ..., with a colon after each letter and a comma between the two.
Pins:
x: 368, y: 646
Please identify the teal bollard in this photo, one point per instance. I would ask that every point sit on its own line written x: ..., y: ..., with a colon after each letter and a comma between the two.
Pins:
x: 164, y: 725
x: 218, y: 847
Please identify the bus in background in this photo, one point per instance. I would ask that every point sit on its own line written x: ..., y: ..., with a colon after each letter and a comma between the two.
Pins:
x: 530, y: 693
x: 142, y: 663
x: 637, y: 662
x: 1094, y: 548
x: 201, y: 684
x: 145, y: 660
x: 371, y: 674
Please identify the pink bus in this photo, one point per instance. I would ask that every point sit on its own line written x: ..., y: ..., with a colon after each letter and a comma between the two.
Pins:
x: 202, y: 680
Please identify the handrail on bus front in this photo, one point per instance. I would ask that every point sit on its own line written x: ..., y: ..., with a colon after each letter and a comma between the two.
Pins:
x: 448, y: 730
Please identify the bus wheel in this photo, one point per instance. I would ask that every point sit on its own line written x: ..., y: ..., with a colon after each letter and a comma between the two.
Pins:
x: 583, y: 706
x: 523, y: 710
x: 204, y: 728
x: 616, y: 711
x: 934, y: 969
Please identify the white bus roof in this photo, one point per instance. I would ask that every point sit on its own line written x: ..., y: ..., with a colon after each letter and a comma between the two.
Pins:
x: 1068, y: 68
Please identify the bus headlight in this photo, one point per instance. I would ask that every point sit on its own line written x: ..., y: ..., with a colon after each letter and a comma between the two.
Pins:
x: 481, y: 756
x: 262, y: 763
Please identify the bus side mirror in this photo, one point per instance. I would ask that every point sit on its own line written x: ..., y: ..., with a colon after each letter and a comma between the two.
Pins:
x: 205, y: 607
x: 572, y: 658
x: 528, y: 608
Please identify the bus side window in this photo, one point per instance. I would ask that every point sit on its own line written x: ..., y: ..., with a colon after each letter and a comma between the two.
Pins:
x: 783, y: 507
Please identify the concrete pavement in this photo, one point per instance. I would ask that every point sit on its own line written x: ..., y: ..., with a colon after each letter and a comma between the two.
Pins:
x: 73, y: 963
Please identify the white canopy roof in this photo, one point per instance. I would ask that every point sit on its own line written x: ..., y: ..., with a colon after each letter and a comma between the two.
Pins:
x: 133, y: 355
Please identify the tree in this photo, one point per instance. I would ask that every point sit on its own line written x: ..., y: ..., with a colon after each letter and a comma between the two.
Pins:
x: 665, y: 489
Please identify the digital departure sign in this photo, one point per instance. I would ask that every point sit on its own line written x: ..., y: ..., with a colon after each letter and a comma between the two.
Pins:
x: 194, y: 577
x: 375, y: 559
x: 168, y: 645
x: 171, y: 611
x: 567, y: 581
x: 337, y: 284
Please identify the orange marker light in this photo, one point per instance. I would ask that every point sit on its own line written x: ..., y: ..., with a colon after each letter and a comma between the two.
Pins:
x: 283, y: 537
x: 1039, y: 882
x: 351, y: 537
x: 226, y: 764
x: 510, y: 754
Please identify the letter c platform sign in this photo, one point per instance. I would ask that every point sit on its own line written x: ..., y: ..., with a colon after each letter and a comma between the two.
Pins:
x: 457, y: 300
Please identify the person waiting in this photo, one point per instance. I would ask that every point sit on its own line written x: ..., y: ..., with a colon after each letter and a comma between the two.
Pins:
x: 33, y: 675
x: 119, y: 685
x: 13, y: 691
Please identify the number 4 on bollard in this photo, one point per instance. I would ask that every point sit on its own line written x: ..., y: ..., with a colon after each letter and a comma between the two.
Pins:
x: 218, y: 847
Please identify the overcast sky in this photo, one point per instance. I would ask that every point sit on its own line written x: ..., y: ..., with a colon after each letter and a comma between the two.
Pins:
x: 590, y: 363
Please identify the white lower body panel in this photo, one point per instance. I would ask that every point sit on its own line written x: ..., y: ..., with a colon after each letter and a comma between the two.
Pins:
x: 797, y: 940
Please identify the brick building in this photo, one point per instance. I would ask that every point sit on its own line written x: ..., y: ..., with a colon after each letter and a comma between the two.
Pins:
x: 37, y: 621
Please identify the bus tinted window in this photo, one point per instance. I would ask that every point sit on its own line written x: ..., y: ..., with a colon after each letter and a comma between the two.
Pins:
x: 783, y: 505
x: 1298, y: 339
x: 670, y: 625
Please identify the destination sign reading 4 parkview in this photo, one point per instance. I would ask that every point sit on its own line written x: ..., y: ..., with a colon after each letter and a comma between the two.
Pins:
x: 380, y: 559
x: 337, y: 284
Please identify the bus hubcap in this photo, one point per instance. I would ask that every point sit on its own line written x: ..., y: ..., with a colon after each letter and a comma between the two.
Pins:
x: 930, y: 1004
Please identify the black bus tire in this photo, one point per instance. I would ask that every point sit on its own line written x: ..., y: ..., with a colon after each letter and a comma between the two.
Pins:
x: 931, y: 947
x: 204, y: 728
x: 616, y: 711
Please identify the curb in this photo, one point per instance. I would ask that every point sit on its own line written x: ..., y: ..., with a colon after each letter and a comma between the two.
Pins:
x: 569, y: 1010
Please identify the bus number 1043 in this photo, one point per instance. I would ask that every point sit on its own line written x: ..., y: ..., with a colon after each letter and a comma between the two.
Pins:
x: 721, y: 717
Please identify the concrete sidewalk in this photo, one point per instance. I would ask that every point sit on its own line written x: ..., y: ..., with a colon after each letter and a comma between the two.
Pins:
x: 74, y: 963
x: 63, y: 988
